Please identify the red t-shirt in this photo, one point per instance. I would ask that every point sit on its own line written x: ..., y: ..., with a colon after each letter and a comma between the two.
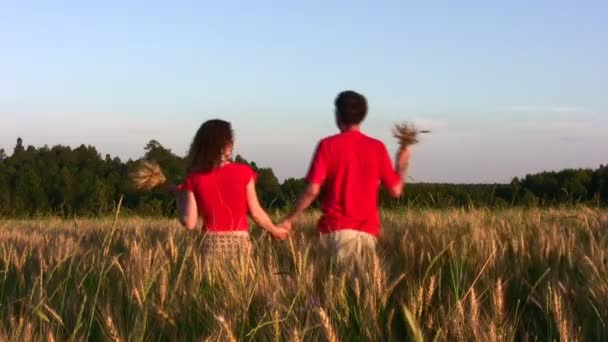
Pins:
x: 350, y: 166
x: 221, y: 196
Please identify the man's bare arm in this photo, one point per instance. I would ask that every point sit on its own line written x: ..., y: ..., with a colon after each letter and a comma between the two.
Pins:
x: 402, y: 163
x: 304, y: 201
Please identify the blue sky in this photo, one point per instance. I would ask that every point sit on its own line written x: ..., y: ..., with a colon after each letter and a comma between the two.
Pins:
x: 507, y: 89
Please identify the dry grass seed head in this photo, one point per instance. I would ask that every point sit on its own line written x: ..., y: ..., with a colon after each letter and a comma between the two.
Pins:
x: 377, y: 273
x: 458, y: 322
x: 112, y: 332
x: 296, y: 335
x: 53, y: 314
x: 226, y: 327
x: 474, y: 314
x: 562, y: 322
x: 407, y: 134
x: 327, y: 326
x: 137, y: 297
x: 492, y: 334
x: 431, y: 290
x: 28, y: 332
x: 147, y: 175
x: 499, y: 301
x: 391, y: 288
x: 418, y: 305
x: 164, y: 283
x: 164, y: 315
x: 172, y: 249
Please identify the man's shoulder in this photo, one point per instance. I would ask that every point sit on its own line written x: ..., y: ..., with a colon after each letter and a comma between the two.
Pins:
x: 336, y: 138
x: 331, y: 138
x: 373, y: 142
x: 328, y: 140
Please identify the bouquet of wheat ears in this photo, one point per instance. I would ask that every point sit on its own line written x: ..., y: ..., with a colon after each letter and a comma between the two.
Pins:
x: 147, y: 175
x: 407, y: 134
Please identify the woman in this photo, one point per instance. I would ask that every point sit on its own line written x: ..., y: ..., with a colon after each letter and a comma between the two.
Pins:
x: 222, y: 192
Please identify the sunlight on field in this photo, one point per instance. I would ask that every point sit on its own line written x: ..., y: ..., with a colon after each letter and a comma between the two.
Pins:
x: 451, y: 275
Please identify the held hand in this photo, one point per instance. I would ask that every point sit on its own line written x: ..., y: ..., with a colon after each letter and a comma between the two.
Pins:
x: 280, y: 233
x: 171, y: 188
x: 287, y: 225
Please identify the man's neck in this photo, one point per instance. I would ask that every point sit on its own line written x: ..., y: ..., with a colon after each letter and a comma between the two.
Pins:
x: 351, y: 128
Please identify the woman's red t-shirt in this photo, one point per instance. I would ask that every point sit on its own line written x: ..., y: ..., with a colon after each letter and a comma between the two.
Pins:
x: 221, y: 196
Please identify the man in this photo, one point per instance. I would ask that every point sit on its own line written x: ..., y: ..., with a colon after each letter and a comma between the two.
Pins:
x: 350, y: 167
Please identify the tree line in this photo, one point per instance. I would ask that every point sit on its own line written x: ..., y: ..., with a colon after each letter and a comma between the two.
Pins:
x: 67, y: 182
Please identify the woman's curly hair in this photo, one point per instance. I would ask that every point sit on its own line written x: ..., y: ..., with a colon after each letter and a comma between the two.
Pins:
x: 209, y: 144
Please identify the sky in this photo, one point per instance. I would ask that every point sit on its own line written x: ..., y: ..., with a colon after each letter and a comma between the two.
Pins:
x: 507, y: 88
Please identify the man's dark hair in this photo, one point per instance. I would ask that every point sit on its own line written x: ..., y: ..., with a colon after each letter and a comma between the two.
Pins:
x: 351, y: 107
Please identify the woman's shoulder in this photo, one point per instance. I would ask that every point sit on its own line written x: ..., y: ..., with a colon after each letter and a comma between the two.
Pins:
x: 230, y: 167
x: 239, y: 167
x: 241, y: 171
x: 195, y: 174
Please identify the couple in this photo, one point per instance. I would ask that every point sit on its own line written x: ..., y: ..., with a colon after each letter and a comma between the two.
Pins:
x: 349, y: 166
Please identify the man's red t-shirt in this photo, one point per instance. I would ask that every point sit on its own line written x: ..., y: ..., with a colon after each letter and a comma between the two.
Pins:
x: 351, y: 166
x: 221, y: 196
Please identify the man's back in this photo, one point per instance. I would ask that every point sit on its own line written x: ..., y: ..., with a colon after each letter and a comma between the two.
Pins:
x: 351, y: 165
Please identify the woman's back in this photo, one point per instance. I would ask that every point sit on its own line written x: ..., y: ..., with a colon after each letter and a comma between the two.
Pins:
x: 221, y: 196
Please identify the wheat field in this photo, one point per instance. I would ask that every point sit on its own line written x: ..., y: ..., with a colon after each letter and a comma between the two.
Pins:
x: 442, y: 275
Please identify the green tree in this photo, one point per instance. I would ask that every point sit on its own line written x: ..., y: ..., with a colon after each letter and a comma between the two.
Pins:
x: 515, y: 188
x: 18, y: 147
x: 269, y: 188
x: 528, y: 199
x: 28, y: 195
x: 291, y: 188
x: 65, y: 192
x: 5, y: 193
x: 267, y: 185
x: 239, y: 159
x: 599, y: 183
x: 574, y: 190
x: 173, y: 166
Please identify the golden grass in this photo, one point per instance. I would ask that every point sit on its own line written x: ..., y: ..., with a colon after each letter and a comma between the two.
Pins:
x: 446, y: 275
x: 330, y: 334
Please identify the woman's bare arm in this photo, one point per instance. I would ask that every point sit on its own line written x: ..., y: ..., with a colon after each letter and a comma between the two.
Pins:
x: 186, y: 208
x: 259, y: 215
